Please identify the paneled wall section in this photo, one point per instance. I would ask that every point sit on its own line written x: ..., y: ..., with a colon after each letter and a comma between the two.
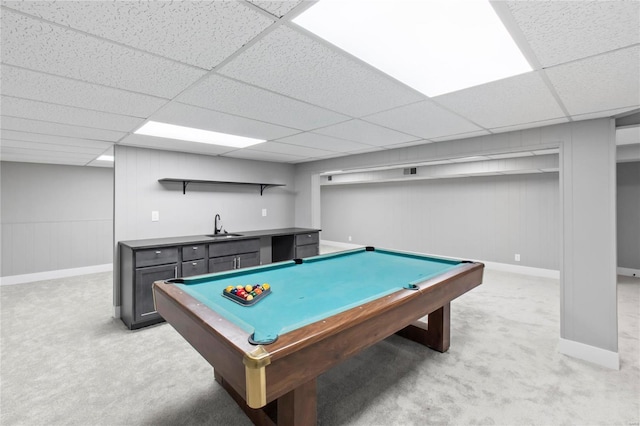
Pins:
x: 55, y: 217
x: 487, y: 218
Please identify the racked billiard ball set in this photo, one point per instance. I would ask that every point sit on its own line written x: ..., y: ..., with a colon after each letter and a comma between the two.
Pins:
x: 248, y: 294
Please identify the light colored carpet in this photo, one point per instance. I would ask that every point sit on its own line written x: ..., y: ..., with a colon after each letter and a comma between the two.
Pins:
x: 65, y: 361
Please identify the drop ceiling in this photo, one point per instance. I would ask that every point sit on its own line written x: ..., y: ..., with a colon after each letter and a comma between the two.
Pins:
x: 79, y: 77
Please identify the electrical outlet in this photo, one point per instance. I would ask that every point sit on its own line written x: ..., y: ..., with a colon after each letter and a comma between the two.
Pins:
x: 155, y: 216
x: 264, y: 212
x: 349, y: 237
x: 517, y: 257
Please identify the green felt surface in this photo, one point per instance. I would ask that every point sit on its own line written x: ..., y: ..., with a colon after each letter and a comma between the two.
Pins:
x: 320, y: 287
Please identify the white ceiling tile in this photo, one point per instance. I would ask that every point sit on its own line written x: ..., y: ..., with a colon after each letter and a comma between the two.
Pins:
x: 297, y: 150
x: 174, y: 145
x: 52, y: 139
x: 423, y: 119
x: 34, y: 85
x: 48, y: 153
x: 461, y: 136
x: 42, y: 159
x: 562, y: 31
x: 24, y: 108
x: 516, y: 100
x: 200, y: 33
x: 85, y: 149
x: 530, y: 125
x: 367, y: 133
x: 225, y: 95
x: 276, y: 8
x: 37, y: 45
x: 314, y: 140
x: 289, y: 62
x: 249, y: 154
x: 191, y: 116
x: 34, y: 126
x: 599, y: 83
x: 603, y: 113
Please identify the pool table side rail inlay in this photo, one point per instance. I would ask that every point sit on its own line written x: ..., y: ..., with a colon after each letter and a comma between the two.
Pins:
x: 326, y: 343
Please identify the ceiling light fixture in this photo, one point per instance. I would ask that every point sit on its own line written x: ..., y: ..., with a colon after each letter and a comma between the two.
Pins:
x: 191, y: 134
x: 105, y: 158
x: 433, y: 46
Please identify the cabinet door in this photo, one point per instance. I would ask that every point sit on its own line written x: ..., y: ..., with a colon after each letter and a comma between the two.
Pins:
x: 246, y: 260
x: 144, y: 308
x: 224, y: 263
x: 307, y: 251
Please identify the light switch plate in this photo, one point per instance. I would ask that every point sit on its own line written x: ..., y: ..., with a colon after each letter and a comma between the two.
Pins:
x: 155, y: 216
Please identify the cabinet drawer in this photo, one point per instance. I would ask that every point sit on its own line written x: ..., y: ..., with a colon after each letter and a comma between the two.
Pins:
x: 195, y: 267
x: 158, y: 256
x: 193, y: 252
x: 303, y: 239
x: 223, y: 263
x: 307, y: 251
x: 226, y: 248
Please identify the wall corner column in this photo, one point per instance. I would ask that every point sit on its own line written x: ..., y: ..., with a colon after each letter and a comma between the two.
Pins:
x: 588, y: 299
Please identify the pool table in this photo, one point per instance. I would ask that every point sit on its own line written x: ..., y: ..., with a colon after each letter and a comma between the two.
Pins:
x: 319, y: 312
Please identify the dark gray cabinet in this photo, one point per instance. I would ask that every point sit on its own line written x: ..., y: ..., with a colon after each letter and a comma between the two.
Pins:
x: 138, y: 271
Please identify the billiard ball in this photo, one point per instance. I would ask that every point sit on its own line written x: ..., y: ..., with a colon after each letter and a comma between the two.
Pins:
x: 229, y: 288
x: 257, y: 291
x: 239, y: 287
x: 266, y: 286
x: 248, y: 287
x: 249, y: 298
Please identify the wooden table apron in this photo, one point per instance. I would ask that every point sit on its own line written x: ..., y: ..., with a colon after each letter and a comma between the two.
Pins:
x: 299, y: 356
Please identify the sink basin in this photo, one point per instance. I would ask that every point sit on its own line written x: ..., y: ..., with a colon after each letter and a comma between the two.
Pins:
x: 224, y: 236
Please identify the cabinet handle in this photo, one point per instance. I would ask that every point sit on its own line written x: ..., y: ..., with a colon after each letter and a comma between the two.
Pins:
x: 195, y: 263
x: 158, y: 252
x: 238, y: 262
x: 195, y: 248
x: 175, y: 272
x: 148, y: 313
x: 235, y: 259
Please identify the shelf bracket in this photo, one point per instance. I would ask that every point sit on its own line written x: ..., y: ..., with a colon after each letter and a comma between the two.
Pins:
x: 184, y: 186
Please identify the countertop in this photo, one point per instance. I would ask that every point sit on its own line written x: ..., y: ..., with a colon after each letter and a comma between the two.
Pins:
x: 203, y: 239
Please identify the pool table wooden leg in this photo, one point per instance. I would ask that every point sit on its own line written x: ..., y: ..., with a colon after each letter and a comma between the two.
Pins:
x: 299, y: 407
x: 436, y: 334
x: 296, y: 408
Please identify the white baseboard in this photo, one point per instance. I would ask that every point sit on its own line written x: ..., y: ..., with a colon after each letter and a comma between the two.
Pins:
x: 50, y: 275
x: 589, y: 353
x: 504, y: 267
x: 628, y: 272
x: 339, y: 244
x: 524, y: 270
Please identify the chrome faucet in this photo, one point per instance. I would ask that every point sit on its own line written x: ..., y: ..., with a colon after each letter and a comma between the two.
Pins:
x: 217, y: 229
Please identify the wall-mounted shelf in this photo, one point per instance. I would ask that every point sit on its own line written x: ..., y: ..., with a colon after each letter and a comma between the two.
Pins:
x: 186, y: 182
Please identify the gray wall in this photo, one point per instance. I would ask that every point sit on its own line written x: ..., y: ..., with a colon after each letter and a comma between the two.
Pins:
x: 628, y: 214
x: 55, y: 217
x: 138, y: 193
x: 487, y: 218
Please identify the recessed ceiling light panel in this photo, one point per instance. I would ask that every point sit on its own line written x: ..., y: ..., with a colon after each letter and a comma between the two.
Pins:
x: 434, y: 46
x: 191, y: 134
